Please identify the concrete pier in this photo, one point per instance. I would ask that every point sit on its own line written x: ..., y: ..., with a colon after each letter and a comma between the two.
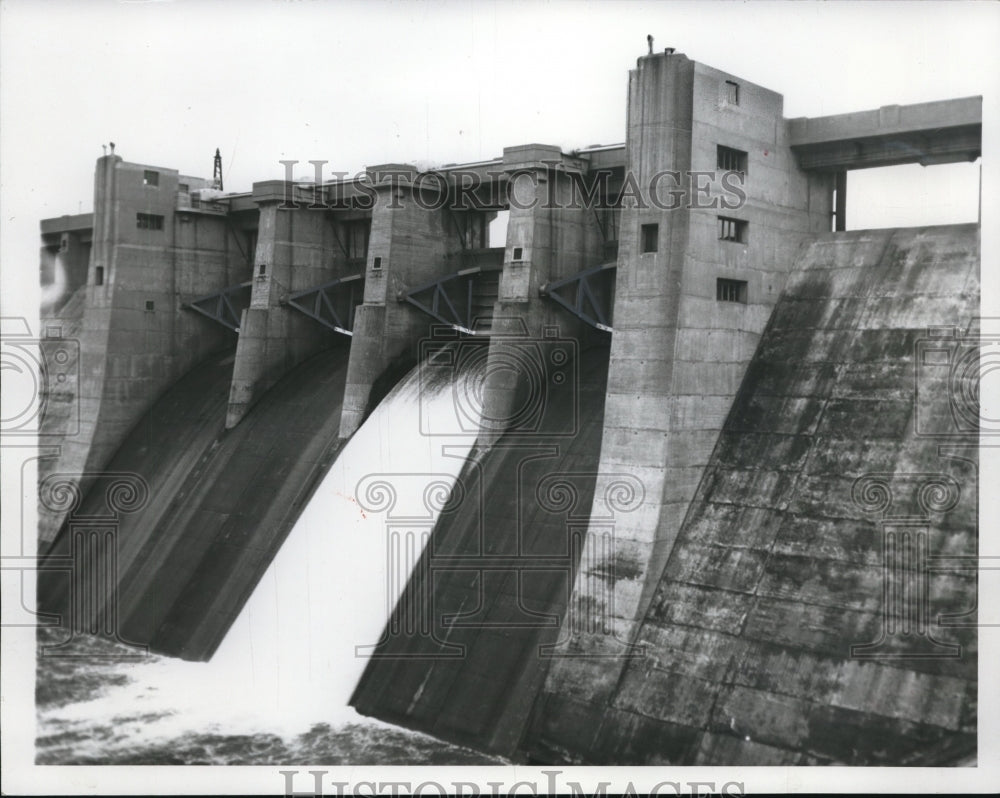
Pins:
x: 695, y: 286
x: 147, y: 258
x: 409, y: 246
x: 297, y: 249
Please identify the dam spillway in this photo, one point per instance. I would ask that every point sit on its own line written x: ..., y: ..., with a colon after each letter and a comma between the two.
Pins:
x: 220, y: 503
x: 494, y: 580
x: 696, y: 454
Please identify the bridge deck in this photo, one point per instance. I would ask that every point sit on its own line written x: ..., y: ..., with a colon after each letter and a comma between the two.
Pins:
x: 945, y: 131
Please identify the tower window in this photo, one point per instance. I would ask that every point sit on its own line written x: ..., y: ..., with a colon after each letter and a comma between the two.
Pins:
x: 150, y: 305
x: 99, y: 275
x: 518, y: 253
x: 150, y: 178
x: 650, y: 237
x: 730, y: 160
x: 732, y: 92
x: 148, y: 221
x: 377, y: 263
x: 732, y: 230
x: 731, y: 290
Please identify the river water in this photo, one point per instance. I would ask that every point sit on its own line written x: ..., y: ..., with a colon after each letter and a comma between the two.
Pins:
x: 276, y: 691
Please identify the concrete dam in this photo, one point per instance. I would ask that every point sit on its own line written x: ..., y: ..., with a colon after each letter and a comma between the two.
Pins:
x: 714, y: 491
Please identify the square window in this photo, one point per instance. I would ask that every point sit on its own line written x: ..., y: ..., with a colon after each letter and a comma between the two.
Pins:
x: 150, y: 178
x: 731, y: 290
x: 732, y: 92
x: 732, y: 230
x: 150, y: 305
x: 148, y: 221
x: 731, y: 160
x: 184, y: 188
x: 650, y: 238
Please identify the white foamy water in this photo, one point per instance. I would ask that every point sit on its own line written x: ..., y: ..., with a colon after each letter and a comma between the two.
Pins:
x: 290, y: 660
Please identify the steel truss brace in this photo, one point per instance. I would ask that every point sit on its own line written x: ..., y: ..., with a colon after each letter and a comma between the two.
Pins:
x: 582, y: 296
x: 224, y: 306
x: 326, y: 303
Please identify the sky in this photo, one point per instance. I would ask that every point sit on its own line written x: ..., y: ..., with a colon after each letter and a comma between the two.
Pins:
x: 359, y: 84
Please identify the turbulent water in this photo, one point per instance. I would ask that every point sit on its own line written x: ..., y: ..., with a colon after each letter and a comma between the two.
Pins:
x: 276, y: 691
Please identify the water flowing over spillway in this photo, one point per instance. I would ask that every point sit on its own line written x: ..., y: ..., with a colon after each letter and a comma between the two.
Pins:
x: 290, y: 659
x: 327, y: 593
x: 494, y: 589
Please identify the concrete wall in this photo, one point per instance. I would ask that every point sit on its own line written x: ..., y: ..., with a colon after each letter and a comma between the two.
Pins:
x: 678, y: 354
x: 135, y: 338
x: 774, y: 637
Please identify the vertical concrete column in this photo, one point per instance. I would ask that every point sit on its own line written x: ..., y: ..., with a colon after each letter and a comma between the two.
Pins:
x: 840, y: 212
x: 75, y: 454
x: 699, y: 270
x: 408, y: 245
x: 637, y: 441
x: 550, y: 235
x: 255, y: 351
x: 105, y: 218
x: 653, y: 247
x: 296, y: 251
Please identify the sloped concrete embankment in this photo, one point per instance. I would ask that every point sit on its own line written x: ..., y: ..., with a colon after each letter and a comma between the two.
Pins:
x: 787, y: 625
x: 468, y: 645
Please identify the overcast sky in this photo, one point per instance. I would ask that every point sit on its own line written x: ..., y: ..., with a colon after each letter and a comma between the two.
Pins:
x: 365, y: 83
